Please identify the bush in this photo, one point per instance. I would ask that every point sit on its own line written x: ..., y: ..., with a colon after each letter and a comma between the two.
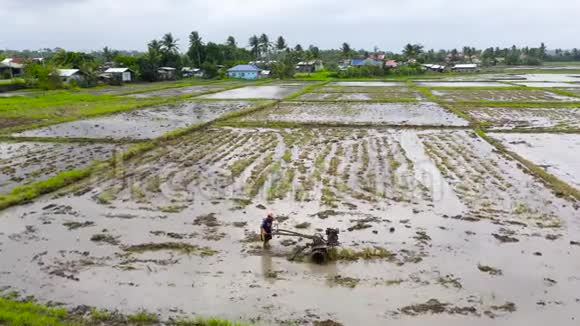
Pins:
x: 210, y: 70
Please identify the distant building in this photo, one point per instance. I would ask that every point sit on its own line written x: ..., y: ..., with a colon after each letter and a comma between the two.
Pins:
x: 391, y: 64
x: 167, y: 73
x: 434, y: 67
x: 244, y: 72
x: 362, y: 62
x: 189, y: 72
x: 309, y: 66
x: 465, y: 67
x: 124, y: 75
x: 11, y: 67
x: 69, y: 75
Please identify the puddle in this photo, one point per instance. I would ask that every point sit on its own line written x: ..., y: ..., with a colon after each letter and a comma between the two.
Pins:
x: 528, y: 118
x: 25, y: 162
x: 556, y: 153
x: 461, y: 84
x: 366, y: 84
x: 140, y: 124
x: 251, y: 92
x: 416, y: 194
x: 508, y: 95
x: 352, y: 113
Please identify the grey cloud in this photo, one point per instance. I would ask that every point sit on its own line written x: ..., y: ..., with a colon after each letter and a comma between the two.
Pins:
x: 388, y: 24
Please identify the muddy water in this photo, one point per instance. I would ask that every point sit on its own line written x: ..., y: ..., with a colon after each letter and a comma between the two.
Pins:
x: 191, y: 90
x: 510, y: 118
x: 366, y: 84
x: 556, y: 153
x: 551, y: 77
x: 503, y: 95
x: 140, y: 124
x: 380, y: 113
x: 250, y: 92
x: 462, y: 84
x: 25, y: 162
x: 42, y: 257
x: 550, y: 85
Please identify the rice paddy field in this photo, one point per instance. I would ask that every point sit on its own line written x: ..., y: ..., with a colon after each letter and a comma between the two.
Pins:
x: 457, y: 202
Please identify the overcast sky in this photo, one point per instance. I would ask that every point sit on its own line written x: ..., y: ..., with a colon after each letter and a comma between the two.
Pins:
x: 387, y: 24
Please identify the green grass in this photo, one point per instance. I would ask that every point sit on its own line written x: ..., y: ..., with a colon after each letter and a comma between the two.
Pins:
x: 27, y: 192
x: 18, y: 313
x: 29, y: 313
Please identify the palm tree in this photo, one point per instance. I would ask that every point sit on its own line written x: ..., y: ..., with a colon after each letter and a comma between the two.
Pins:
x: 107, y: 54
x: 411, y: 51
x: 169, y: 44
x: 265, y: 44
x: 255, y: 47
x: 346, y: 50
x: 231, y: 42
x: 281, y: 44
x: 195, y: 48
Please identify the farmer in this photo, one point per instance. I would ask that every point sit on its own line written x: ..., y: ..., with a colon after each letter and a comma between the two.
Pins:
x: 266, y: 230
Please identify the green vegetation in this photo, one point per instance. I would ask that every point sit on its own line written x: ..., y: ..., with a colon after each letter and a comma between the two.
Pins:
x: 27, y: 192
x: 368, y: 253
x: 25, y: 313
x: 172, y: 246
x: 16, y: 312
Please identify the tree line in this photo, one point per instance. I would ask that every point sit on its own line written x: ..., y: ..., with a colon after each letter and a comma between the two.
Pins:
x: 275, y: 55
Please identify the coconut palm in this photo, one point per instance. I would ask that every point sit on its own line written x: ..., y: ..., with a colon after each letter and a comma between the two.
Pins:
x: 255, y: 47
x: 169, y: 44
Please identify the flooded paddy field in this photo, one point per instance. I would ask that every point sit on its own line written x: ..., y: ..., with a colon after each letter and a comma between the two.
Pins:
x: 549, y: 85
x: 180, y: 91
x: 565, y: 118
x: 423, y: 113
x: 435, y: 227
x: 25, y: 162
x: 549, y: 77
x: 371, y: 96
x: 556, y: 153
x: 508, y: 95
x: 461, y: 84
x: 366, y: 84
x: 140, y: 124
x: 254, y: 92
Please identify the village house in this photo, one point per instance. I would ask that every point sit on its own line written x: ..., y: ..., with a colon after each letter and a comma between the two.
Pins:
x: 71, y: 75
x: 362, y: 62
x: 434, y: 67
x: 188, y: 72
x: 167, y: 73
x: 244, y: 72
x: 391, y: 64
x: 11, y: 67
x: 465, y: 67
x: 124, y: 75
x: 309, y: 66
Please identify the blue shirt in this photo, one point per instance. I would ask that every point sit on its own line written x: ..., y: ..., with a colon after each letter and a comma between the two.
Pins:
x: 267, y: 225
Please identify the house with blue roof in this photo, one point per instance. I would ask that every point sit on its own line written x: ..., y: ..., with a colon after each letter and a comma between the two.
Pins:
x: 244, y: 72
x: 362, y: 62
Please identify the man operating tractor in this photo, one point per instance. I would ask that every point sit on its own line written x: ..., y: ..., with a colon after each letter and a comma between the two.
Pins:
x: 266, y: 230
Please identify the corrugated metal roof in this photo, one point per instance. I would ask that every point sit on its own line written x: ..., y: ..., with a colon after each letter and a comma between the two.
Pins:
x: 67, y: 72
x: 245, y: 68
x: 466, y: 66
x: 166, y: 68
x: 117, y: 70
